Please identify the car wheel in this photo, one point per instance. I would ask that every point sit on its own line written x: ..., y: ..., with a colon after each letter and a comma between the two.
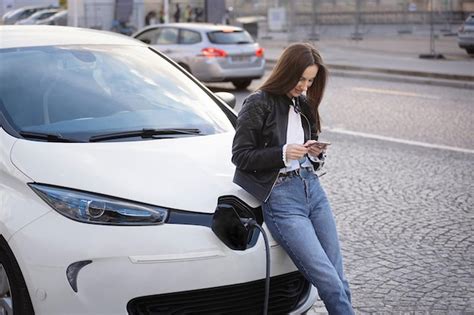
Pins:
x: 470, y: 50
x: 14, y: 297
x: 241, y: 84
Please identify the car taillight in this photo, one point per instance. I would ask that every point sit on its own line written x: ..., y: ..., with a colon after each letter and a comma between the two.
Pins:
x: 211, y: 52
x: 259, y: 52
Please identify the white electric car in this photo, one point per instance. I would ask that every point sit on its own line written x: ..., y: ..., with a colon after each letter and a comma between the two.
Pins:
x: 113, y: 161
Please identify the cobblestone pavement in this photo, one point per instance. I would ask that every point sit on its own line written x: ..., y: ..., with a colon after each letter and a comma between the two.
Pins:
x: 406, y: 219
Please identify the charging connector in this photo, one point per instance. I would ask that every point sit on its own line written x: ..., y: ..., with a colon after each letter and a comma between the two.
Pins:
x: 234, y: 226
x: 250, y: 224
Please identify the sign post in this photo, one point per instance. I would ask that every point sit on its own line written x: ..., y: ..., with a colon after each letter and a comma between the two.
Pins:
x: 432, y: 54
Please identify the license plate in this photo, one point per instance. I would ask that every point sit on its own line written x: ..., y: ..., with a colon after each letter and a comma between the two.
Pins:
x: 240, y: 58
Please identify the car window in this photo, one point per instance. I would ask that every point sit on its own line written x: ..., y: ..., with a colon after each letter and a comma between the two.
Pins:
x: 80, y: 91
x: 189, y: 37
x: 149, y: 36
x: 26, y: 14
x: 470, y: 20
x: 44, y: 15
x: 230, y: 37
x: 167, y: 36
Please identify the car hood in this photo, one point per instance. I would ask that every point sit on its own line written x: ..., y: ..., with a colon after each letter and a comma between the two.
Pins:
x: 188, y: 173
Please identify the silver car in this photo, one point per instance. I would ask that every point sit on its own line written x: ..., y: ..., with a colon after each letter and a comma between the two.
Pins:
x: 60, y: 18
x: 212, y: 53
x: 37, y: 17
x: 21, y: 13
x: 466, y: 35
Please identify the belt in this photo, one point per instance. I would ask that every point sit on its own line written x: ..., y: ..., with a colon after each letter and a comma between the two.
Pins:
x: 295, y: 172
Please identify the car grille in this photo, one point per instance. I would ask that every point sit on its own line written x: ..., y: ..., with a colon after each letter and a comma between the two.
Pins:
x: 246, y: 298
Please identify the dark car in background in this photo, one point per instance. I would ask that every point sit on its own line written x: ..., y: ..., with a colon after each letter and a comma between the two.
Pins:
x: 466, y: 35
x: 212, y: 53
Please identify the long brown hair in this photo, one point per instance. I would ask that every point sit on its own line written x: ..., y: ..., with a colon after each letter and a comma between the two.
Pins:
x: 290, y: 67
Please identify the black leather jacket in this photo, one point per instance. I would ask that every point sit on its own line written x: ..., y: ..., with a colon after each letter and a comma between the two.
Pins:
x: 257, y: 150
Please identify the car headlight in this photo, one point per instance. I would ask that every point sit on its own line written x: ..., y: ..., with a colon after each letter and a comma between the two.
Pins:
x: 97, y: 209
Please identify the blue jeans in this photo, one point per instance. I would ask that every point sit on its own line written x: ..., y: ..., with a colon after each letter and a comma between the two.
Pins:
x: 300, y: 219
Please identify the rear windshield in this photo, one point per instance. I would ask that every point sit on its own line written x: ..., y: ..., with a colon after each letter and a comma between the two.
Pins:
x: 232, y: 37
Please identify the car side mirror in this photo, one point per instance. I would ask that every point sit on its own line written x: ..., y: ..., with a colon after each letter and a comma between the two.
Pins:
x: 227, y: 97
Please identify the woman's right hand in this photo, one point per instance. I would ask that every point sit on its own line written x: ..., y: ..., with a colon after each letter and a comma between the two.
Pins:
x: 295, y: 151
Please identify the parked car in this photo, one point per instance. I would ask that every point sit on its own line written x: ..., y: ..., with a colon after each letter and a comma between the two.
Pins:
x: 21, y: 13
x: 114, y: 162
x: 212, y: 53
x: 466, y: 35
x: 59, y: 18
x: 37, y: 16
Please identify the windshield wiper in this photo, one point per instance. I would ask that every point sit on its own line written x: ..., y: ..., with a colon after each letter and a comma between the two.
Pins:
x: 145, y: 133
x: 49, y: 137
x: 243, y: 42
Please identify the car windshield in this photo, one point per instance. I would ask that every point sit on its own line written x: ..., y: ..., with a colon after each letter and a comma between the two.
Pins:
x: 230, y: 37
x: 79, y: 92
x: 470, y: 20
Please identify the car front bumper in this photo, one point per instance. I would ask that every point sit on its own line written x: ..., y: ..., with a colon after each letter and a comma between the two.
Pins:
x: 129, y: 262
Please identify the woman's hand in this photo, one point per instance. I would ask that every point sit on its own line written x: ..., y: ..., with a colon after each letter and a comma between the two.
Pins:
x: 295, y: 151
x: 314, y: 149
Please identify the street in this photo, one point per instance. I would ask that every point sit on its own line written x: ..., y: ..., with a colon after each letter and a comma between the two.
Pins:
x: 432, y: 114
x: 400, y: 179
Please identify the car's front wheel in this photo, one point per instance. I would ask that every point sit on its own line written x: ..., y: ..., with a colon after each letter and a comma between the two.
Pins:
x: 14, y: 297
x: 241, y: 84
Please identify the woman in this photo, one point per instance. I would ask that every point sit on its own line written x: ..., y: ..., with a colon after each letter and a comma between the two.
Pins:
x: 276, y: 156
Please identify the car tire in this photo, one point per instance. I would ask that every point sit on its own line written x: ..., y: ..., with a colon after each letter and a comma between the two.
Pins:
x: 15, y: 298
x: 470, y: 51
x: 241, y: 84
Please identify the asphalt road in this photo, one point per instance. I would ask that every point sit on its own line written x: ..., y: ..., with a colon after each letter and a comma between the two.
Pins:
x: 413, y: 112
x: 434, y: 115
x: 400, y: 178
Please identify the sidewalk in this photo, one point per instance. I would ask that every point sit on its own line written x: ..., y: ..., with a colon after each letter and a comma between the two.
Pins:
x: 392, y: 57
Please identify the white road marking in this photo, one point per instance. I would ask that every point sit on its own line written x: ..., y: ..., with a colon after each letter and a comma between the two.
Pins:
x: 394, y: 92
x: 397, y: 140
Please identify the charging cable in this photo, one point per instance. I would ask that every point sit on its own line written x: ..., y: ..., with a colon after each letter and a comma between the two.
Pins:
x: 251, y: 223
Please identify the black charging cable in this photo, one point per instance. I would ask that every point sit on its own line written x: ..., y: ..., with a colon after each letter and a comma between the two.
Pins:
x: 251, y: 223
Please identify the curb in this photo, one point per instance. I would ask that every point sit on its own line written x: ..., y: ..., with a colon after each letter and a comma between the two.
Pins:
x: 403, y: 79
x: 395, y: 75
x: 434, y: 75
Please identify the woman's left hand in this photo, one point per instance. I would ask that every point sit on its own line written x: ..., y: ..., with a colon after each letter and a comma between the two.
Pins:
x: 313, y: 149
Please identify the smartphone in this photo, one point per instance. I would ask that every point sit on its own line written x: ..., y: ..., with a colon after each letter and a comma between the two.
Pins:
x: 320, y: 144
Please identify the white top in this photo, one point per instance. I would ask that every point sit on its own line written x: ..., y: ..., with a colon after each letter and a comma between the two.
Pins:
x: 294, y: 134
